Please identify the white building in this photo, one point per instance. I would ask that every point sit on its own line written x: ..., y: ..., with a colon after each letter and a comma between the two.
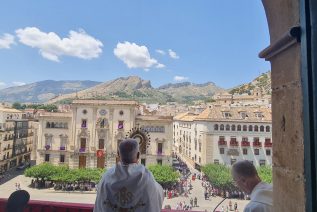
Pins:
x: 89, y: 135
x: 224, y: 135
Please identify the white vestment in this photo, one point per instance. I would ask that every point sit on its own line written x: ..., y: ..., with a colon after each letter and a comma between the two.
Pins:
x: 128, y: 188
x: 261, y: 198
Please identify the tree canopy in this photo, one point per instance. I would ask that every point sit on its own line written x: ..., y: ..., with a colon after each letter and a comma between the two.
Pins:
x: 163, y: 174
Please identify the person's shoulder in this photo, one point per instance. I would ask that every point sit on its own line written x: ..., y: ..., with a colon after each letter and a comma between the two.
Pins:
x: 254, y: 206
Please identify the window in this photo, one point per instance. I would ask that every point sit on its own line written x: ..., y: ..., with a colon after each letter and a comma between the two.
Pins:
x: 83, y: 143
x: 84, y: 123
x: 226, y: 115
x: 47, y: 157
x: 62, y: 158
x: 256, y: 151
x: 256, y: 128
x: 233, y: 127
x: 222, y: 127
x: 243, y: 115
x: 199, y: 159
x: 159, y: 148
x: 227, y: 127
x: 199, y: 147
x: 101, y: 143
x: 195, y: 157
x: 262, y: 162
x: 268, y: 152
x: 222, y: 151
x: 258, y: 115
x: 159, y: 161
x: 250, y: 128
x: 48, y: 125
x: 245, y: 151
x: 239, y: 128
x: 120, y: 125
x: 121, y: 112
x: 233, y: 160
x: 216, y: 161
x: 262, y: 128
x: 245, y: 127
x: 216, y: 127
x: 267, y: 129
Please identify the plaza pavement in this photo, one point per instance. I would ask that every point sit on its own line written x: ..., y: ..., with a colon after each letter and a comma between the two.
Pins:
x: 89, y: 197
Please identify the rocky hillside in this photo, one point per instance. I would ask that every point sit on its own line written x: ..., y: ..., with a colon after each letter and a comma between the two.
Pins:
x: 134, y: 87
x: 42, y: 91
x: 262, y: 82
x: 188, y: 92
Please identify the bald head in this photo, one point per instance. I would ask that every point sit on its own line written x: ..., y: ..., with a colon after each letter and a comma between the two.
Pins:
x: 244, y: 168
x: 129, y: 151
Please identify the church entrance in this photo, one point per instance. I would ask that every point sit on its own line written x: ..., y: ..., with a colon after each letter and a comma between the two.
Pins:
x: 82, y: 161
x: 101, y: 162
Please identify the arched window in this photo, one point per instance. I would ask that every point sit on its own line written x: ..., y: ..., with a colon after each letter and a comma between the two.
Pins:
x: 262, y: 128
x: 233, y: 127
x: 239, y: 128
x: 268, y: 129
x: 250, y: 128
x: 245, y: 127
x: 256, y: 128
x: 227, y: 127
x: 222, y: 127
x: 48, y: 125
x: 52, y: 125
x: 216, y: 127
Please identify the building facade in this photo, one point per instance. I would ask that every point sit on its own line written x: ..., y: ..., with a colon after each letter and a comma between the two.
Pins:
x: 224, y: 135
x: 88, y: 136
x: 16, y: 138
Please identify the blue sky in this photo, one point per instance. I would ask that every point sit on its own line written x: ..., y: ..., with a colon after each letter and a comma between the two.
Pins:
x: 163, y: 41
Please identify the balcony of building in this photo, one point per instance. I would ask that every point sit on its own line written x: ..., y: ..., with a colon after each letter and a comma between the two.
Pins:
x: 222, y: 143
x: 245, y: 143
x: 234, y: 143
x: 268, y: 143
x: 48, y: 206
x: 257, y: 144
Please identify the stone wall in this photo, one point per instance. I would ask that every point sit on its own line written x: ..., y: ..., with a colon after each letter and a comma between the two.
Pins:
x: 288, y: 147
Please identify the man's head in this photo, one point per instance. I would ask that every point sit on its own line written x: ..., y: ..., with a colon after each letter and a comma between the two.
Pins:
x: 129, y: 151
x: 245, y: 176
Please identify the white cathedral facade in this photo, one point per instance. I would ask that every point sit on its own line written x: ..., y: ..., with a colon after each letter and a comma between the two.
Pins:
x: 89, y: 135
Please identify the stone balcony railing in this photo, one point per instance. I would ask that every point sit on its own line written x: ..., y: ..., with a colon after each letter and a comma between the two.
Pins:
x: 222, y: 143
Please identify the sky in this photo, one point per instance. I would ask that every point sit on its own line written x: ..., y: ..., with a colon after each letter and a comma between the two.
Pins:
x: 163, y: 41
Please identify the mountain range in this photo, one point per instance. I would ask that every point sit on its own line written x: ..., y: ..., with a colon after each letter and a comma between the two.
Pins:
x: 132, y: 87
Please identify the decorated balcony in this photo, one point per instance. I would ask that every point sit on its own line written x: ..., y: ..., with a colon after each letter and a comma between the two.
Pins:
x: 234, y: 142
x: 245, y: 143
x: 159, y: 153
x: 257, y: 144
x: 47, y: 147
x: 62, y: 148
x: 268, y: 143
x: 82, y: 149
x: 222, y: 143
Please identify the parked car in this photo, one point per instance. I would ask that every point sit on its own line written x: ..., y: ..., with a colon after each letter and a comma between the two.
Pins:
x: 23, y: 166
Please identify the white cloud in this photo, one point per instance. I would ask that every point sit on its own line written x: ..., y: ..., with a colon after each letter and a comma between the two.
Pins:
x: 180, y: 78
x: 173, y: 54
x: 52, y: 47
x: 18, y: 83
x: 160, y: 51
x: 6, y: 41
x: 135, y: 56
x: 2, y: 84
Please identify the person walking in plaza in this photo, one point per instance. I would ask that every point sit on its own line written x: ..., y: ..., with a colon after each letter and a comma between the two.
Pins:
x: 230, y: 205
x: 191, y: 201
x: 195, y: 202
x: 245, y: 176
x: 235, y: 206
x: 129, y: 185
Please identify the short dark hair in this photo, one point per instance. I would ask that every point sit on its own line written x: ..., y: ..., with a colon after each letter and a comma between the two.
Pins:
x: 245, y: 168
x: 128, y: 150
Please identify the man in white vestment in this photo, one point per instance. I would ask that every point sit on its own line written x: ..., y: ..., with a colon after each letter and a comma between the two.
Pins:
x: 247, y: 179
x: 128, y: 186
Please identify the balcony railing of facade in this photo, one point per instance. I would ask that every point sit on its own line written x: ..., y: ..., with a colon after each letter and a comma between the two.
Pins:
x: 257, y: 144
x: 234, y: 143
x: 82, y: 149
x: 222, y: 143
x: 268, y: 144
x: 62, y: 148
x: 47, y: 147
x: 48, y: 206
x: 245, y: 143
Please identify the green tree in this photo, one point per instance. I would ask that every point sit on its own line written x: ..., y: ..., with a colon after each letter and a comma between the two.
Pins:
x: 164, y: 175
x: 265, y: 173
x: 219, y: 176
